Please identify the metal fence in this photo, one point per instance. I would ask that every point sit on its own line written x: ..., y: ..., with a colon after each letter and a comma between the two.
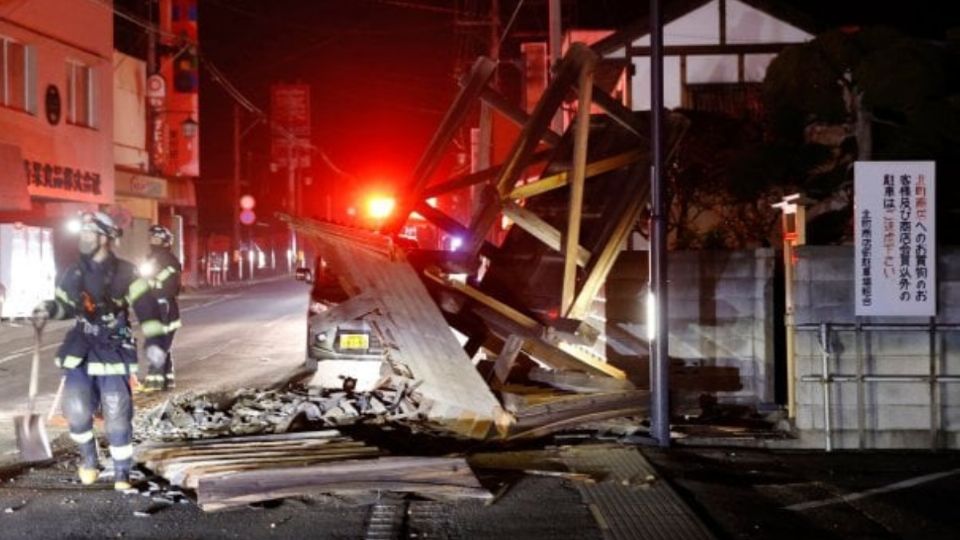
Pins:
x: 827, y: 378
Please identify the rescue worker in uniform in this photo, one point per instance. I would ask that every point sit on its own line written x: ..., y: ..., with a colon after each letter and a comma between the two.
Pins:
x: 162, y: 271
x: 99, y: 353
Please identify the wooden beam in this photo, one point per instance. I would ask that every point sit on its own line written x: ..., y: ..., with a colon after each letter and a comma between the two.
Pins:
x: 730, y: 48
x: 557, y: 355
x: 479, y: 177
x: 440, y: 219
x: 481, y: 72
x: 541, y: 230
x: 434, y: 477
x: 540, y: 420
x: 581, y: 137
x: 560, y: 179
x: 530, y: 136
x: 604, y: 259
x: 484, y: 298
x: 619, y: 113
x: 515, y: 114
x: 507, y: 357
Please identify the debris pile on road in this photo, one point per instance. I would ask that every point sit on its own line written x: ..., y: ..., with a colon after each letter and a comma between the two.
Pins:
x: 251, y: 411
x: 234, y: 471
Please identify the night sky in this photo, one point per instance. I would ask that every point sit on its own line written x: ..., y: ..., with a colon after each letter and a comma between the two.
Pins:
x: 384, y: 71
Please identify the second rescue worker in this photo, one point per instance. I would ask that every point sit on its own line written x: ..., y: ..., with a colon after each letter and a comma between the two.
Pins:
x: 162, y: 271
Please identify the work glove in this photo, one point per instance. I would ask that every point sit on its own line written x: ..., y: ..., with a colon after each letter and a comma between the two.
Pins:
x: 156, y: 357
x: 40, y: 315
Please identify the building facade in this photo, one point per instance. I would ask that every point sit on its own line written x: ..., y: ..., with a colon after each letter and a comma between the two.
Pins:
x: 56, y: 118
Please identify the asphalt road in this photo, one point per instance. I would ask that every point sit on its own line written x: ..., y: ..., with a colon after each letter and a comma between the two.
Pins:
x: 230, y: 336
x: 762, y: 494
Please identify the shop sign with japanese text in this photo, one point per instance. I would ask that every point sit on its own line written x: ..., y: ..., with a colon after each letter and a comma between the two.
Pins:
x: 895, y: 238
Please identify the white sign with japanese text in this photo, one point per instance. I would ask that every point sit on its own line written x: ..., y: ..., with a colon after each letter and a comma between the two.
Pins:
x: 895, y: 238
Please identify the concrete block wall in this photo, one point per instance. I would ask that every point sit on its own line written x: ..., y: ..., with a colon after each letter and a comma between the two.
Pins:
x: 720, y: 309
x: 895, y: 414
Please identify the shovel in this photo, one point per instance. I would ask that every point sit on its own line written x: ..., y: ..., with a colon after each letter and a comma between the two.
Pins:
x: 31, y: 431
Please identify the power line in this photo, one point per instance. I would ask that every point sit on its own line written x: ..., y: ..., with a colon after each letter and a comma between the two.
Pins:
x: 506, y: 29
x: 223, y: 81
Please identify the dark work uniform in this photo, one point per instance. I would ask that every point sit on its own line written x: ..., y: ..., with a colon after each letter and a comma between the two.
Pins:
x: 99, y: 353
x: 165, y: 287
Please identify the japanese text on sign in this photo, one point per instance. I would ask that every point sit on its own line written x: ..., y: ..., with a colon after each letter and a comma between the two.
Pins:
x: 894, y: 238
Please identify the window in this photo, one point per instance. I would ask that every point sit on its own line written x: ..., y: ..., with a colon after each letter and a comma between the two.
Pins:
x: 17, y: 76
x: 80, y: 94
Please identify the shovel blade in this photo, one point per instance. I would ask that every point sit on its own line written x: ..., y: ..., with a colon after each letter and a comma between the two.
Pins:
x: 32, y: 438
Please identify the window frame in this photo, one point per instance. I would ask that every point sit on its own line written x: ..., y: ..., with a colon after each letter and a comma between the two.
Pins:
x: 74, y: 67
x: 28, y: 91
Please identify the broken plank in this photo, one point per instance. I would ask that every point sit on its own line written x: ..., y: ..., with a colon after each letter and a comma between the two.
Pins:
x: 428, y: 477
x: 541, y: 420
x: 575, y: 381
x: 507, y: 357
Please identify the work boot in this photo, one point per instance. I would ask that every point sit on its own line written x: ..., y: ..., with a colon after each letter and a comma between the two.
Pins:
x: 88, y: 475
x: 153, y: 383
x: 168, y: 382
x: 121, y: 481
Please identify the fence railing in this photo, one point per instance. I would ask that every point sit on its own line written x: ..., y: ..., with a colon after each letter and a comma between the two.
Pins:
x: 827, y: 377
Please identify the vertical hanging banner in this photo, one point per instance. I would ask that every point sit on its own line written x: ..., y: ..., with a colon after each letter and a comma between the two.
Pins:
x: 895, y: 238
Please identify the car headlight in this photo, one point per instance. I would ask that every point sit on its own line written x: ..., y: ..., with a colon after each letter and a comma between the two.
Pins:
x: 321, y: 337
x: 317, y: 308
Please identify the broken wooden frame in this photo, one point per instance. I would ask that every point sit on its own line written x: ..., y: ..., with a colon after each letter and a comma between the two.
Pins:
x: 504, y: 195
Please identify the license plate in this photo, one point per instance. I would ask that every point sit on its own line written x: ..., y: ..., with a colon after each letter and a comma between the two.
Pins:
x: 354, y: 341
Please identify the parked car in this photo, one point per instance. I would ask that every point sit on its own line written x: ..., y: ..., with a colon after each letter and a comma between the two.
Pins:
x: 345, y: 354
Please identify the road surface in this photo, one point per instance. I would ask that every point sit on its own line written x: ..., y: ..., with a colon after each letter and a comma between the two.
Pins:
x: 230, y: 336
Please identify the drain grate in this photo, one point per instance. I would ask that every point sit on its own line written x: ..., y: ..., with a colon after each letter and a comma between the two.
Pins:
x: 431, y: 520
x: 387, y: 521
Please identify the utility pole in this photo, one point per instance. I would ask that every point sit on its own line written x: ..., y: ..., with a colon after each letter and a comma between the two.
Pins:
x: 291, y: 198
x: 235, y: 191
x: 151, y: 70
x: 659, y: 348
x: 554, y: 45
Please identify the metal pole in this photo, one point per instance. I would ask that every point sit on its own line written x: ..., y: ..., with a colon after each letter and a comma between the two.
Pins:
x: 235, y: 189
x: 825, y: 381
x: 659, y: 350
x: 151, y: 70
x: 291, y: 201
x: 861, y: 391
x: 934, y: 389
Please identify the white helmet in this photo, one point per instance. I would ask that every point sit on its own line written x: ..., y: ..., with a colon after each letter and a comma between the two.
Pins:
x: 100, y: 223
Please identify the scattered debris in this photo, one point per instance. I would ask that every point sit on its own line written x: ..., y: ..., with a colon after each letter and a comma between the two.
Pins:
x: 250, y: 411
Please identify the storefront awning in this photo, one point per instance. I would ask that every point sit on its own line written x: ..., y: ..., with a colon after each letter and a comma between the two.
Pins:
x: 13, y: 182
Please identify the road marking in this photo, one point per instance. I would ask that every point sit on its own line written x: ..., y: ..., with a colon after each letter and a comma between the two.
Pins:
x: 210, y: 303
x: 13, y: 355
x: 911, y: 482
x: 25, y: 352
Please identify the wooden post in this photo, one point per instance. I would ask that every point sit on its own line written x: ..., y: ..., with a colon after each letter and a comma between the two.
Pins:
x: 580, y: 140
